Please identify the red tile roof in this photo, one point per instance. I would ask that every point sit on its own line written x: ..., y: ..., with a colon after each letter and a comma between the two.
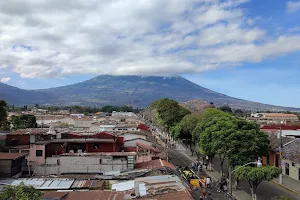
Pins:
x: 96, y: 195
x: 279, y: 115
x: 11, y: 156
x: 154, y: 164
x: 54, y: 195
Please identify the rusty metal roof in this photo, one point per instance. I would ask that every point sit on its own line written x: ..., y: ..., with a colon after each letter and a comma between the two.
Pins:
x: 11, y: 156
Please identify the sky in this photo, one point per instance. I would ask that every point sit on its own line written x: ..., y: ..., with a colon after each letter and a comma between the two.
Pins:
x: 248, y: 49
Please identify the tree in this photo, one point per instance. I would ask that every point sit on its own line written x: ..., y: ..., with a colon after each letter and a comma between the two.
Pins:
x: 203, y: 134
x: 238, y: 113
x: 169, y: 112
x: 247, y: 143
x: 4, y: 125
x: 20, y: 192
x: 226, y: 108
x: 185, y: 129
x: 237, y: 139
x: 23, y: 121
x: 255, y: 175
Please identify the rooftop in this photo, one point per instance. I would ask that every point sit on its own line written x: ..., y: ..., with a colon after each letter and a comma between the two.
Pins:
x: 101, y: 154
x: 89, y: 195
x: 11, y: 156
x: 46, y: 183
x: 154, y: 164
x: 77, y: 140
x: 279, y: 115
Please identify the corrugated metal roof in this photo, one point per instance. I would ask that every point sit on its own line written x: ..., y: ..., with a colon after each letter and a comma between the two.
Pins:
x: 123, y: 186
x: 45, y: 183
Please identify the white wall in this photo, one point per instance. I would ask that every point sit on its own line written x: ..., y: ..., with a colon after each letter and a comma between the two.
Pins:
x: 129, y: 136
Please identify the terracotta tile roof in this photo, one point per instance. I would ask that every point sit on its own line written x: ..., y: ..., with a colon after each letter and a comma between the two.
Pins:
x: 279, y: 115
x: 11, y: 156
x: 96, y: 195
x: 154, y: 164
x: 54, y: 195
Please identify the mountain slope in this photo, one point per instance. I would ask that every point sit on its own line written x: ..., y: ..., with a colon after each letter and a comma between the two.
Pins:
x: 119, y: 90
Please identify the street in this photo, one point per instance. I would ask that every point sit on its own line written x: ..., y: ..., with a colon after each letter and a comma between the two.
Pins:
x: 265, y: 191
x: 178, y: 158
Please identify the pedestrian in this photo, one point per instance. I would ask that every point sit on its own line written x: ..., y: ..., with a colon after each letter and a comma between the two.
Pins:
x: 208, y: 182
x: 199, y: 168
x: 203, y: 193
x: 209, y: 196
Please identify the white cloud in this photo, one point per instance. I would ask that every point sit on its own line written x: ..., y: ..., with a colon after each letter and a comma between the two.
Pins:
x: 5, y: 79
x: 293, y: 6
x: 158, y: 37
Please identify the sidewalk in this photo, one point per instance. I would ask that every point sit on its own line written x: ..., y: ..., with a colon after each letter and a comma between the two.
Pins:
x: 238, y: 194
x: 215, y: 175
x: 289, y: 184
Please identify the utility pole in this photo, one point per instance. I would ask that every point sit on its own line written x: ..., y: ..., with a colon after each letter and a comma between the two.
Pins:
x: 281, y: 158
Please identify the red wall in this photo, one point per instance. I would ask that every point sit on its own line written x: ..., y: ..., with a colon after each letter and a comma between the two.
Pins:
x: 103, y: 147
x: 22, y: 139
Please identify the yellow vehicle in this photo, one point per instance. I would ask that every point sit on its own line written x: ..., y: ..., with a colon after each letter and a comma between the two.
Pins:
x: 191, y: 177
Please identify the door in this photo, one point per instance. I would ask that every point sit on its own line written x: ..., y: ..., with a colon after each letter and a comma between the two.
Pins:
x: 287, y: 169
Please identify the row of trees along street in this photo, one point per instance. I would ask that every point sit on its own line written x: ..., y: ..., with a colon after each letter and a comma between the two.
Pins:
x: 214, y: 132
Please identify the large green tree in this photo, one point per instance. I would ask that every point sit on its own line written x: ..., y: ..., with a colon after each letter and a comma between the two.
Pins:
x: 213, y: 131
x: 236, y: 139
x: 255, y: 175
x: 169, y: 112
x: 4, y: 125
x: 184, y: 129
x: 23, y: 121
x: 20, y: 192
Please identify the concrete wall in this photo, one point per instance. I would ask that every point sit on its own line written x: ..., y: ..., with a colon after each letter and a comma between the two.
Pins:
x: 132, y: 143
x: 80, y: 164
x: 32, y: 153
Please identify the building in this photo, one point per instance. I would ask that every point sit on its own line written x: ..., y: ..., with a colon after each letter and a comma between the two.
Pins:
x: 12, y: 164
x: 119, y: 127
x: 155, y: 187
x: 290, y: 159
x: 98, y: 163
x: 274, y: 118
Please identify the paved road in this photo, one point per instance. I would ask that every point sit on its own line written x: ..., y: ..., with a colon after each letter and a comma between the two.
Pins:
x: 179, y: 159
x: 265, y: 190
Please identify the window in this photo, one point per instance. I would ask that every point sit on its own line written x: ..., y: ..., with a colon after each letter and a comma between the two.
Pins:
x: 96, y: 146
x: 39, y: 153
x: 293, y: 164
x: 268, y: 159
x: 299, y: 174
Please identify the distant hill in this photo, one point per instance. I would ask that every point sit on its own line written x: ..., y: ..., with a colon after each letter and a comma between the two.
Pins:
x: 197, y: 105
x: 138, y: 91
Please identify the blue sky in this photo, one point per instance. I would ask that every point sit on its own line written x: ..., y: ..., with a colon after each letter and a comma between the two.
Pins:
x: 248, y: 49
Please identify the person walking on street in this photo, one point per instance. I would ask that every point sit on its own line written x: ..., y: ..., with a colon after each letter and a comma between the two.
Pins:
x: 203, y: 193
x: 208, y: 182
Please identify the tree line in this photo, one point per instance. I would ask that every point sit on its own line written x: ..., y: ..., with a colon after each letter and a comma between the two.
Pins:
x: 76, y: 108
x: 215, y: 132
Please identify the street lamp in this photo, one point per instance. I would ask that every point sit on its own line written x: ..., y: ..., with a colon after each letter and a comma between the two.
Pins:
x: 258, y: 163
